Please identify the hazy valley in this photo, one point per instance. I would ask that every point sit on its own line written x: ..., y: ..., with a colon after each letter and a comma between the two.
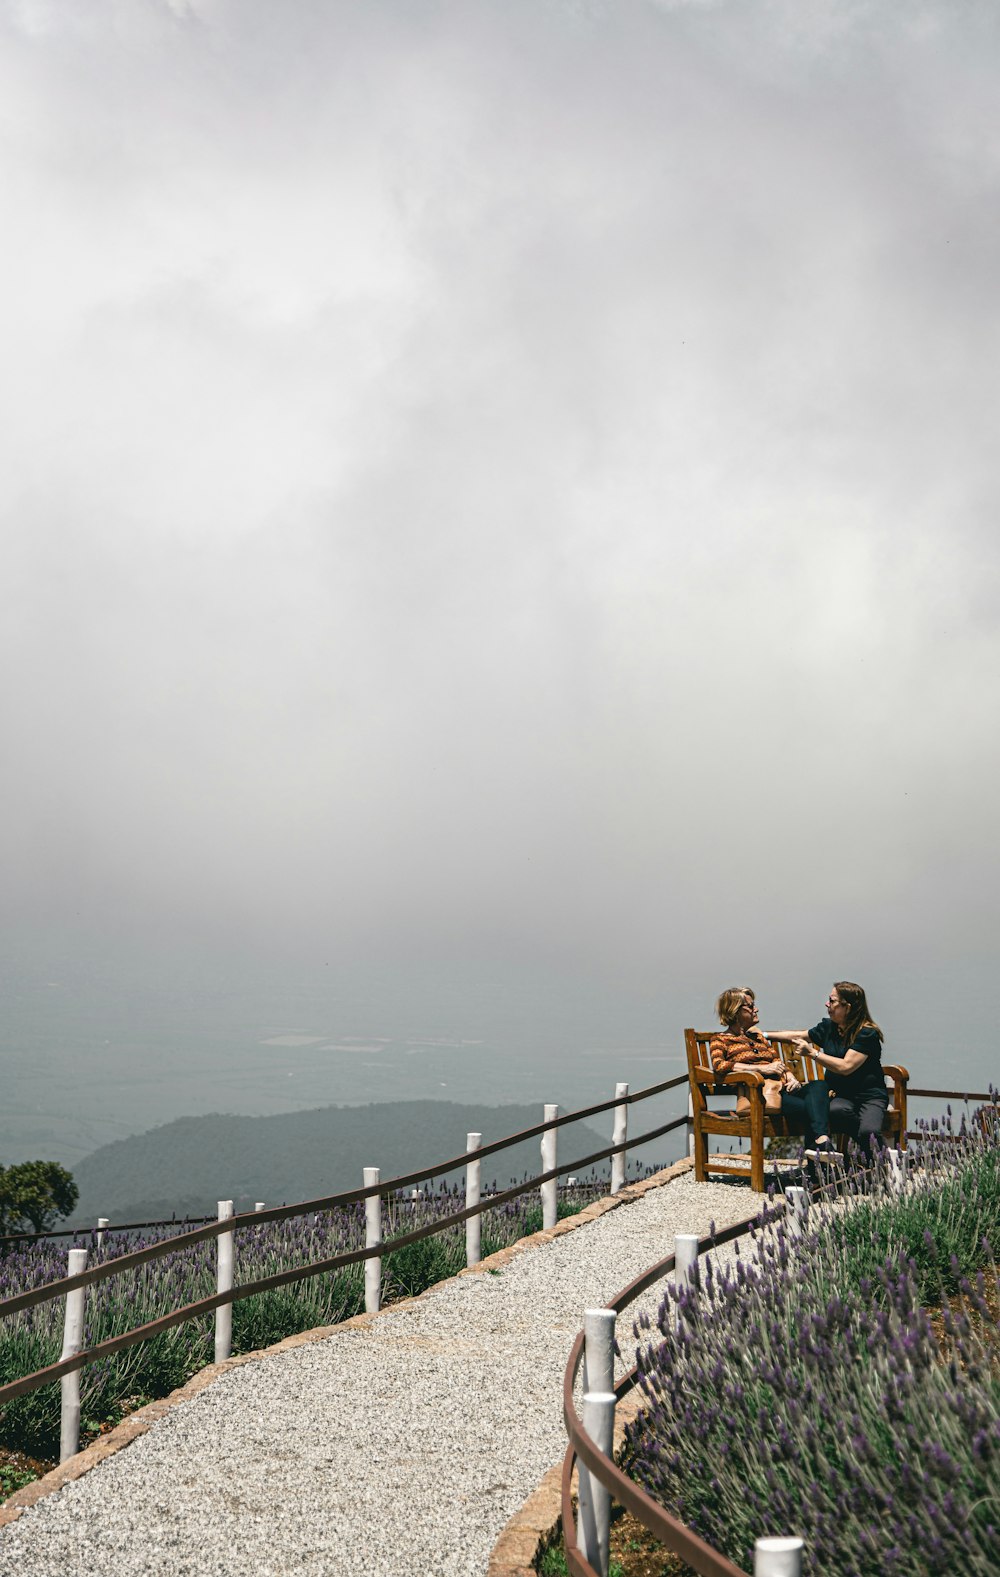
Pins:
x: 186, y: 1166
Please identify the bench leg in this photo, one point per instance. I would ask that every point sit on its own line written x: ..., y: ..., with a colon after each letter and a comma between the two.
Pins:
x: 757, y: 1147
x: 700, y: 1155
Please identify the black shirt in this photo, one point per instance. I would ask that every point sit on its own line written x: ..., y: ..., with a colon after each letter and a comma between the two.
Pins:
x: 863, y: 1080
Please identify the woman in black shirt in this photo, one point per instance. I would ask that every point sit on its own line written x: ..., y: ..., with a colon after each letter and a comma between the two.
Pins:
x: 848, y: 1044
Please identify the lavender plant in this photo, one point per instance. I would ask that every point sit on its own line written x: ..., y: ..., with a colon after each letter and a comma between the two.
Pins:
x: 939, y: 1223
x: 804, y: 1391
x: 32, y: 1338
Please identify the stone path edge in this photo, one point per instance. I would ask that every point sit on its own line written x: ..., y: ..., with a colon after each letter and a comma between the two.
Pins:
x: 139, y: 1422
x: 539, y: 1519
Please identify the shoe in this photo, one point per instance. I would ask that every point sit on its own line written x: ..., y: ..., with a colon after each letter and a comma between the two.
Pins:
x: 823, y: 1150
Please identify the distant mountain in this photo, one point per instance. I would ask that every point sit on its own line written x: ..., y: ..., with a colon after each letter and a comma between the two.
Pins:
x: 185, y: 1167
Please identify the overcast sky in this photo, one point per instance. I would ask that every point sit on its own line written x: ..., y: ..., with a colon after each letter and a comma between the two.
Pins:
x: 502, y: 479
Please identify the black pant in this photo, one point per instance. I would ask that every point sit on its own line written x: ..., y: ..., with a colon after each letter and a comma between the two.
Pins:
x: 809, y: 1107
x: 860, y: 1116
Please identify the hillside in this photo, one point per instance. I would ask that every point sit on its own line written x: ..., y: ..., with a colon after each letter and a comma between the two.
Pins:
x: 188, y: 1165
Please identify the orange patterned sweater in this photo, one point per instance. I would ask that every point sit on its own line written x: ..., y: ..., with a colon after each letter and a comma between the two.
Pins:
x: 727, y: 1050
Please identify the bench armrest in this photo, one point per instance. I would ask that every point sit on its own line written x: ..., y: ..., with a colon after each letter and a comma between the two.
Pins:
x: 899, y: 1075
x: 702, y: 1075
x: 748, y: 1076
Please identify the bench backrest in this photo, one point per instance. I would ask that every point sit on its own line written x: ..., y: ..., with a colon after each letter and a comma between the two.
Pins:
x: 699, y: 1060
x: 805, y: 1067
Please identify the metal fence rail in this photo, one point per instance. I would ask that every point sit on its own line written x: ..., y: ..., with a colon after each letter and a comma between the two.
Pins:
x: 334, y: 1201
x: 126, y: 1226
x: 214, y: 1229
x: 956, y: 1095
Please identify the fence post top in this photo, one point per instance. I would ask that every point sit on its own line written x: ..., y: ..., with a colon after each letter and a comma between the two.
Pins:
x: 225, y: 1209
x: 777, y: 1558
x: 77, y: 1261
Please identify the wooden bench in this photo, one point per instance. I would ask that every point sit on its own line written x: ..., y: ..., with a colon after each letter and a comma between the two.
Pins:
x: 759, y: 1124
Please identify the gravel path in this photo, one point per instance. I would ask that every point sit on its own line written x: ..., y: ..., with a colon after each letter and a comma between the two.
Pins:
x: 397, y: 1448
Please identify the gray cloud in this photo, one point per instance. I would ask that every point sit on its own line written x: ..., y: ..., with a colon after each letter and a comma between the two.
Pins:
x: 507, y: 479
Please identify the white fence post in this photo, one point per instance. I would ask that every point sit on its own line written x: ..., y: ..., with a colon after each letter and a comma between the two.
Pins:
x: 224, y: 1283
x: 373, y: 1237
x: 259, y: 1206
x: 619, y: 1136
x: 102, y: 1222
x: 549, y: 1191
x: 599, y: 1349
x: 474, y: 1225
x: 593, y: 1516
x: 797, y: 1211
x: 777, y: 1558
x: 898, y: 1167
x: 685, y: 1258
x: 69, y: 1423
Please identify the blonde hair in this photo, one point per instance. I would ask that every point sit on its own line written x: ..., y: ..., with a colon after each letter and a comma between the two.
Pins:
x: 730, y: 1002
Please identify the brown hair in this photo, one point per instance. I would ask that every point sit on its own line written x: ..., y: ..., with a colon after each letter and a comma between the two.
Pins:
x: 858, y: 1016
x: 730, y: 1002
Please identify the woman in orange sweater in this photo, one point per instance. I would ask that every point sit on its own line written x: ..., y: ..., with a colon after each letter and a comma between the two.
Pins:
x: 742, y: 1045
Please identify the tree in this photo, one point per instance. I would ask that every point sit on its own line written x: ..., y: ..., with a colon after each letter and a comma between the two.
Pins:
x: 35, y: 1194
